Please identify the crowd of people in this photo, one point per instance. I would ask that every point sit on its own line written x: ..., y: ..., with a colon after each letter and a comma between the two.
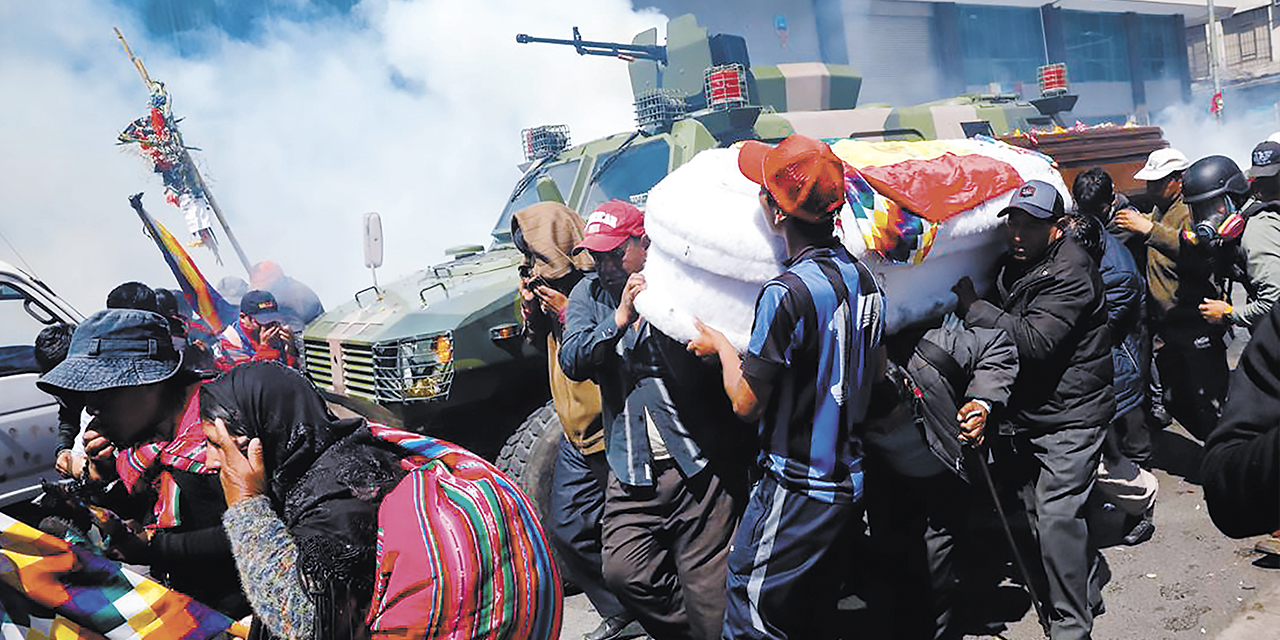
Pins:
x: 224, y: 472
x: 700, y: 490
x: 734, y: 483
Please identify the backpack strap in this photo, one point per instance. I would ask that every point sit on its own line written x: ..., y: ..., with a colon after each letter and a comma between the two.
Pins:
x: 945, y: 364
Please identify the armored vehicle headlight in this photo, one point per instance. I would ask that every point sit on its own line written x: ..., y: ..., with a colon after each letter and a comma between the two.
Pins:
x: 444, y: 349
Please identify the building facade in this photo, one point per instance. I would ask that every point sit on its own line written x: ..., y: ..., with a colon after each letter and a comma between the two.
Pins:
x: 1243, y: 44
x: 1125, y: 58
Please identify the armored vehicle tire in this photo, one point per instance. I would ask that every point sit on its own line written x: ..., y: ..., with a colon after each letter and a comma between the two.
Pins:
x: 529, y: 456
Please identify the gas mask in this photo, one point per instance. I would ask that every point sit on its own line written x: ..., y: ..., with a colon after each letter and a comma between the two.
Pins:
x: 1217, y: 221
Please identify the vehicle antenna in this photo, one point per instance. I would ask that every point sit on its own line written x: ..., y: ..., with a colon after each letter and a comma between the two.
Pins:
x: 156, y: 87
x: 17, y: 253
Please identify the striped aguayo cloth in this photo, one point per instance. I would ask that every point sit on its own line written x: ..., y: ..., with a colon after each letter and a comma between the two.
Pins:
x: 51, y: 589
x: 461, y: 554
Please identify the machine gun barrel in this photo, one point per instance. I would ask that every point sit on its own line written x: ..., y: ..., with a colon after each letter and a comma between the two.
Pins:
x: 655, y: 52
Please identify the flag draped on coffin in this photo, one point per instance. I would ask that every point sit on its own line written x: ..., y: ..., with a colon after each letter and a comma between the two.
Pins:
x: 156, y: 134
x: 899, y: 192
x: 202, y: 297
x: 52, y: 589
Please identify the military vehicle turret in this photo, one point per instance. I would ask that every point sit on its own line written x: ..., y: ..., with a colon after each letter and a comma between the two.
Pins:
x: 441, y: 350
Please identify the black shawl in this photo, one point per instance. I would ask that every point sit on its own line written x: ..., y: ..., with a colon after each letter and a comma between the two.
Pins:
x: 325, y: 477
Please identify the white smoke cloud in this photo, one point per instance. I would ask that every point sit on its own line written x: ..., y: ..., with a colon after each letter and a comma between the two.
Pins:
x: 1195, y: 132
x: 411, y: 108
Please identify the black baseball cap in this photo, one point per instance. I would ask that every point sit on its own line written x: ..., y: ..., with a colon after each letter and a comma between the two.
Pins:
x: 1266, y: 160
x: 1038, y: 199
x: 261, y: 305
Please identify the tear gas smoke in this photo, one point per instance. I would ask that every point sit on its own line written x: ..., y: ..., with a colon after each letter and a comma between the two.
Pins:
x: 412, y: 108
x: 1196, y: 132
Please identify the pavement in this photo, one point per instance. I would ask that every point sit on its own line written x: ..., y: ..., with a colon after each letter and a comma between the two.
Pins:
x: 1188, y: 580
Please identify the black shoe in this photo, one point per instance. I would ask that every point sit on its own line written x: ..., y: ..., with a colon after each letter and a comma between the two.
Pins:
x: 615, y: 628
x: 1140, y: 532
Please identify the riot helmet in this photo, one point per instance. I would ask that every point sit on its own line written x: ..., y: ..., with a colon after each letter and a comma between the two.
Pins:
x: 1213, y: 176
x: 1215, y: 189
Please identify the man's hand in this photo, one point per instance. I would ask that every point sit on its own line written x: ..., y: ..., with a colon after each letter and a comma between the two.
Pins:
x: 966, y: 295
x: 1131, y: 219
x: 101, y: 453
x: 124, y: 544
x: 626, y: 312
x: 242, y: 477
x: 973, y: 420
x: 553, y: 302
x: 708, y: 340
x: 63, y: 463
x: 276, y: 334
x: 1215, y: 311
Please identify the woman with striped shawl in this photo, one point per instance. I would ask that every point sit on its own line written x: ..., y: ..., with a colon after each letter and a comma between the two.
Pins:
x: 346, y: 529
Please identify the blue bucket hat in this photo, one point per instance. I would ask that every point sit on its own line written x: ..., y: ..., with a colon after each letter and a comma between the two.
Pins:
x: 115, y: 348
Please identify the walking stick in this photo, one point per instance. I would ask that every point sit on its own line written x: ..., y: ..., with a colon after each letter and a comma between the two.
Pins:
x: 1038, y: 604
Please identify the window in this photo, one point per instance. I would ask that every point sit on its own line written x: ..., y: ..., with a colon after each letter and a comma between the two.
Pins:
x: 1197, y: 53
x: 1246, y: 37
x: 634, y: 172
x: 1096, y: 47
x: 21, y: 318
x: 562, y: 173
x: 1159, y: 47
x: 1000, y: 44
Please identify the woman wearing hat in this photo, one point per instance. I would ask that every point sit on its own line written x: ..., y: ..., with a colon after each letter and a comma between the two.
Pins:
x: 463, y: 556
x: 146, y: 433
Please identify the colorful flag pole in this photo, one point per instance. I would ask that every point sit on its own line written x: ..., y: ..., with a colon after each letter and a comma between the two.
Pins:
x: 204, y: 299
x: 158, y: 136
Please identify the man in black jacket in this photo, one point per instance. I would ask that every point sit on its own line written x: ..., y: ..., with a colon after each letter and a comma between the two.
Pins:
x: 1241, y: 468
x: 918, y: 478
x: 1049, y: 298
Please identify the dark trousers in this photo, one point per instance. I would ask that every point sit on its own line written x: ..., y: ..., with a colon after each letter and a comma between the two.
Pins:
x: 1193, y: 372
x: 1056, y: 473
x: 665, y: 549
x: 1128, y: 436
x: 786, y: 566
x: 577, y: 506
x: 916, y: 526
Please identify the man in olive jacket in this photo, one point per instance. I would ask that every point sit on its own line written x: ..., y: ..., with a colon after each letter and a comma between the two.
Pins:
x: 1050, y: 300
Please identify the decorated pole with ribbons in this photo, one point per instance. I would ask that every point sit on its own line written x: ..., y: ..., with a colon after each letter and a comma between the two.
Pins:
x: 159, y: 139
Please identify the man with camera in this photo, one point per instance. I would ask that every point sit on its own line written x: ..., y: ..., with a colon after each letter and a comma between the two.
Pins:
x: 259, y: 334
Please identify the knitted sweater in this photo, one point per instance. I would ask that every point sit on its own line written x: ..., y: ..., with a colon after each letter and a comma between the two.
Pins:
x: 268, y: 562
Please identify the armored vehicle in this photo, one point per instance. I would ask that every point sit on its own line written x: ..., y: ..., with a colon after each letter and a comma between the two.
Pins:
x: 441, y: 349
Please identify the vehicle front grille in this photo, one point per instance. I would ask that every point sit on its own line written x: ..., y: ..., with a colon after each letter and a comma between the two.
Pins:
x: 409, y: 370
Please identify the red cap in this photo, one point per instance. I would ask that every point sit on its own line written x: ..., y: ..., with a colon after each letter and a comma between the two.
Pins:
x: 610, y: 225
x: 802, y: 174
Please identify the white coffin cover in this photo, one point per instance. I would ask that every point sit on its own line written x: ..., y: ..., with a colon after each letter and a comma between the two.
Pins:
x: 712, y: 249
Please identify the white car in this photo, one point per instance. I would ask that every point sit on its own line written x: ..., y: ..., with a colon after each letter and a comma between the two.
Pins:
x: 28, y: 416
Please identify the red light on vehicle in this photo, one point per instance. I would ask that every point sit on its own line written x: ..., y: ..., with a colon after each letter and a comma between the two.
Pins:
x: 1053, y: 79
x: 726, y: 86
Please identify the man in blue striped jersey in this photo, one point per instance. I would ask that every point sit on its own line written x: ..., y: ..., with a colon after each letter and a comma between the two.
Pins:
x: 807, y: 376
